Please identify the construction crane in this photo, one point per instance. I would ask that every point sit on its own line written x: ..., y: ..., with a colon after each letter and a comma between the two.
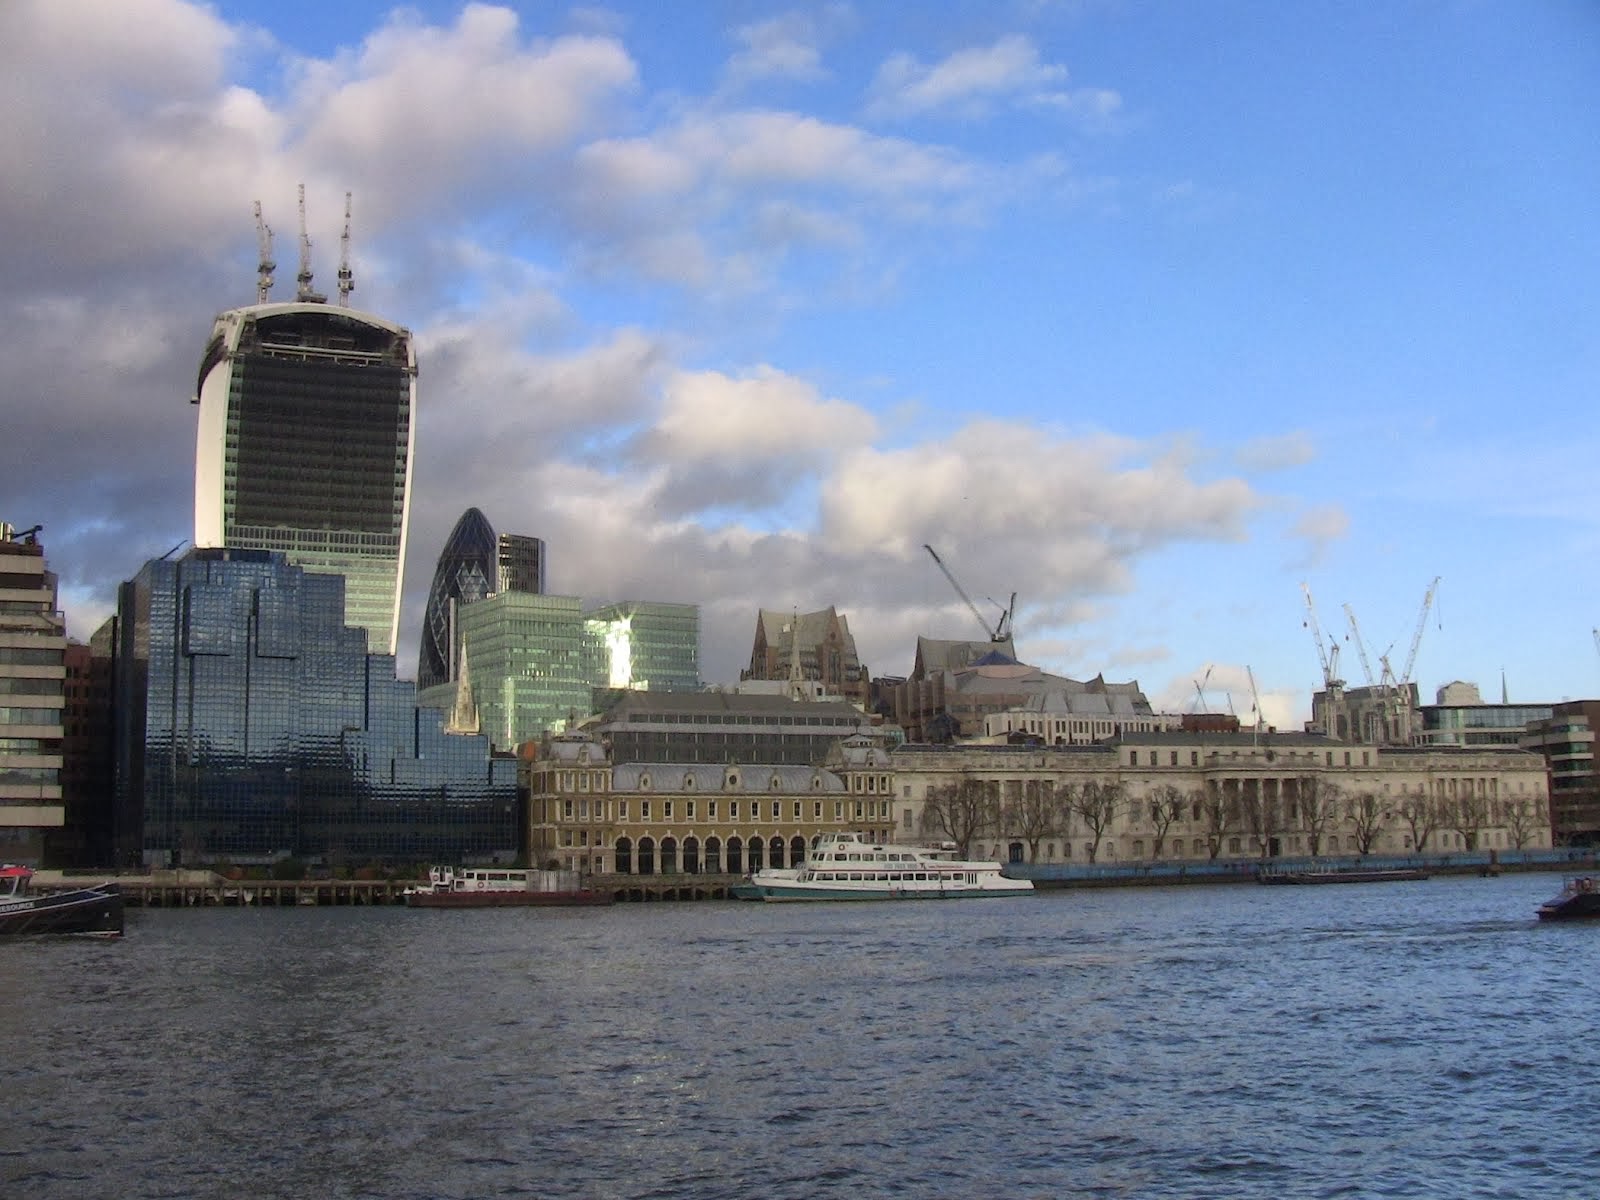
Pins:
x: 305, y: 293
x: 1361, y: 648
x: 1416, y: 638
x: 264, y: 264
x: 347, y: 279
x: 1200, y: 690
x: 1002, y: 628
x: 1328, y: 657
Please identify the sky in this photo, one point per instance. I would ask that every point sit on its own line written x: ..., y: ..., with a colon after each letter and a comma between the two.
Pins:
x: 1158, y: 314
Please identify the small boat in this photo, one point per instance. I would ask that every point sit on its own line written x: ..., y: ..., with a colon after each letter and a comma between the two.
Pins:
x: 89, y: 911
x: 848, y: 866
x: 1316, y: 875
x: 1579, y: 897
x: 501, y: 887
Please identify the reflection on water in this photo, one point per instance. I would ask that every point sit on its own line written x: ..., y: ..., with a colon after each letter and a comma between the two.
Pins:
x: 1402, y: 1039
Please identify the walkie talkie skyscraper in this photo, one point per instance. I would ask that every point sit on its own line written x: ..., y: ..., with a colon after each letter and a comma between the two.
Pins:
x: 304, y: 443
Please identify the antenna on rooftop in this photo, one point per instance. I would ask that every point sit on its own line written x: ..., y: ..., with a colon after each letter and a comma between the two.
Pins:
x: 305, y: 293
x: 264, y: 264
x: 347, y: 279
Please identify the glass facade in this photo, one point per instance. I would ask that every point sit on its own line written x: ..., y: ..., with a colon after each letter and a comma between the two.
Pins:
x: 306, y: 434
x: 519, y: 563
x: 1479, y: 724
x: 464, y: 575
x: 253, y: 725
x: 646, y: 646
x: 530, y: 664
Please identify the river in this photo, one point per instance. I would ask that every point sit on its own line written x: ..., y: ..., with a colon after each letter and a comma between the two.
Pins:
x: 1399, y: 1039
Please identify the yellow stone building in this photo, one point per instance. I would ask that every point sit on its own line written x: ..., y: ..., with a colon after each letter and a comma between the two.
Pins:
x: 588, y: 814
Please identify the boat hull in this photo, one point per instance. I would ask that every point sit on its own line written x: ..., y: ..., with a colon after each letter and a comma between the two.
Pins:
x: 796, y: 892
x: 507, y: 899
x: 89, y: 912
x: 1579, y: 901
x: 1391, y: 875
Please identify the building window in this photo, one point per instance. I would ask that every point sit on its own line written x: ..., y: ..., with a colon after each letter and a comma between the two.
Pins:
x: 666, y: 810
x: 838, y: 810
x: 816, y: 809
x: 689, y: 809
x: 622, y: 810
x: 797, y: 810
x: 644, y: 810
x: 566, y: 810
x: 733, y: 810
x: 777, y: 810
x: 711, y: 807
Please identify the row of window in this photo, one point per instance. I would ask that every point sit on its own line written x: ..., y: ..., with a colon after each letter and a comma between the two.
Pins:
x: 581, y: 810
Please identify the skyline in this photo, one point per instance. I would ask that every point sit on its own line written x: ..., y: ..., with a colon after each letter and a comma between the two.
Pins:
x: 1148, y: 313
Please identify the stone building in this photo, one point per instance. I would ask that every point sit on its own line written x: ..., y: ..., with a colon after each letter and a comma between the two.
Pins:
x: 812, y: 647
x: 588, y: 814
x: 1233, y: 796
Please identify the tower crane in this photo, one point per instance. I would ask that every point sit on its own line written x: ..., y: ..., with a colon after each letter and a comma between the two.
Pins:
x: 1002, y: 628
x: 1416, y: 638
x: 1329, y: 658
x: 1361, y: 648
x: 264, y: 264
x: 347, y: 279
x: 1200, y: 689
x: 305, y: 293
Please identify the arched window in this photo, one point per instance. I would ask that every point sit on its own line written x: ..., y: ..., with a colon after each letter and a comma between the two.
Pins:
x: 754, y: 864
x: 1015, y: 852
x: 624, y: 856
x: 688, y: 783
x: 772, y: 784
x: 775, y: 847
x: 647, y: 856
x: 669, y: 856
x: 691, y: 856
x: 644, y: 782
x: 735, y: 856
x: 797, y: 850
x: 713, y: 856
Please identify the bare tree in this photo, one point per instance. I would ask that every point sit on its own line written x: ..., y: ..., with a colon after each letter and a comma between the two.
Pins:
x: 1367, y: 815
x: 1096, y: 804
x: 1167, y: 804
x: 1319, y: 808
x: 1219, y: 818
x: 1468, y: 814
x: 959, y: 811
x: 1263, y: 815
x: 1040, y: 813
x: 1421, y: 815
x: 1526, y: 816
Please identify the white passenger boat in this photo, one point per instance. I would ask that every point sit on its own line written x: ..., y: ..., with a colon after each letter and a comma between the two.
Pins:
x: 847, y: 866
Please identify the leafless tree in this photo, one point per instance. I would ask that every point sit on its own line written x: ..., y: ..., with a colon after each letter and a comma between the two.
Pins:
x: 960, y: 811
x: 1319, y: 808
x: 1468, y: 814
x: 1167, y: 805
x: 1263, y: 815
x: 1525, y: 816
x: 1219, y: 815
x: 1041, y: 812
x: 1421, y: 815
x: 1367, y: 815
x: 1096, y: 805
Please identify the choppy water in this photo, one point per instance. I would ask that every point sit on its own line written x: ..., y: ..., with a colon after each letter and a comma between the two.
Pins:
x: 1422, y: 1039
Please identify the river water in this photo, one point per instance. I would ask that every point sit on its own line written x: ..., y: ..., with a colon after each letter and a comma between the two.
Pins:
x: 1403, y: 1039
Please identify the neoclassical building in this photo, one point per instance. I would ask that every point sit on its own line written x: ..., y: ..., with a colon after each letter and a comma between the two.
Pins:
x: 1194, y: 796
x: 588, y: 814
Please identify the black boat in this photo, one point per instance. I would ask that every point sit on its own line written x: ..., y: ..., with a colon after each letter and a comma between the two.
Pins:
x: 91, y: 911
x: 1579, y: 897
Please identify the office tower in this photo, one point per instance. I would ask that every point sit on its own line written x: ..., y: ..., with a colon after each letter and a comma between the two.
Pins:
x: 645, y: 645
x: 531, y: 663
x: 304, y: 440
x: 519, y: 562
x: 33, y: 646
x: 465, y: 574
x: 253, y: 725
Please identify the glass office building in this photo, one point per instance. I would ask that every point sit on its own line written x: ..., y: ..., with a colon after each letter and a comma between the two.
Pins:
x: 465, y: 574
x: 253, y: 725
x: 530, y: 661
x: 646, y: 646
x: 519, y: 563
x: 304, y: 445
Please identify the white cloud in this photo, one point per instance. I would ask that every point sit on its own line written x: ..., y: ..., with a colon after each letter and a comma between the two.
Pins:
x: 1319, y: 527
x: 782, y: 47
x: 974, y: 81
x: 1276, y: 452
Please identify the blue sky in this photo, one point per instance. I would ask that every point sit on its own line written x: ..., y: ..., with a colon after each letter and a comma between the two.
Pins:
x: 1149, y: 312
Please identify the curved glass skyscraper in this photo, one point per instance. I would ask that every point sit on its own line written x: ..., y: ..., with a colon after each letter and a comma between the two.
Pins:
x: 304, y: 445
x: 465, y: 575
